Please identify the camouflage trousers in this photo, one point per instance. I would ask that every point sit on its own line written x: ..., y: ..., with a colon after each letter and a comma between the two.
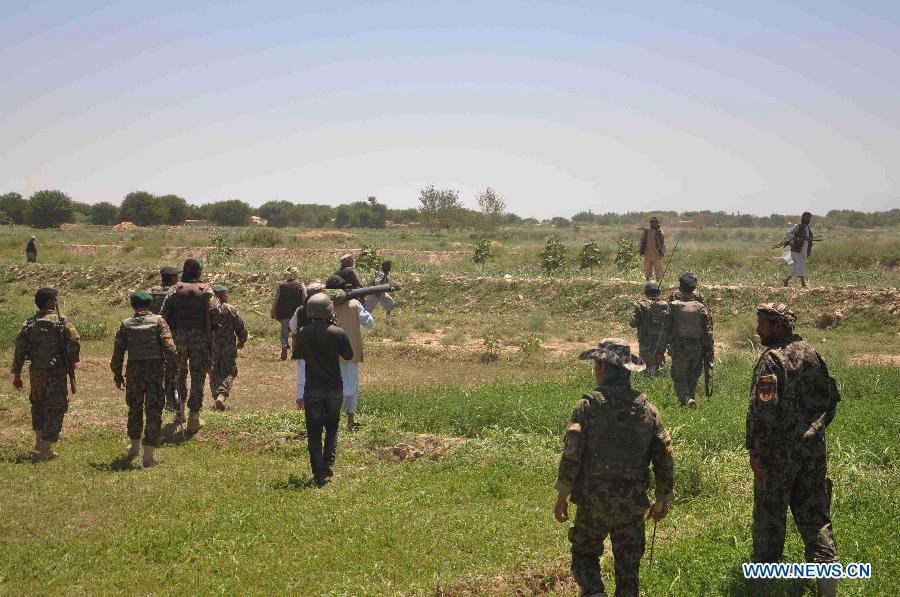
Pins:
x: 587, y: 535
x: 652, y: 352
x: 193, y: 358
x: 169, y: 389
x: 144, y: 394
x: 223, y: 371
x: 806, y: 488
x: 49, y: 401
x: 687, y: 365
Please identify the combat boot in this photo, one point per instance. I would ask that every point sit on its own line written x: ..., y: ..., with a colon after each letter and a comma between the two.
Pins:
x: 195, y: 423
x: 691, y: 403
x: 44, y: 452
x: 827, y: 586
x: 37, y: 442
x: 133, y: 450
x: 148, y: 456
x: 219, y: 404
x: 284, y: 350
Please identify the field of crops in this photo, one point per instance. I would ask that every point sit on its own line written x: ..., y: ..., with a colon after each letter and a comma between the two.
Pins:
x: 447, y: 487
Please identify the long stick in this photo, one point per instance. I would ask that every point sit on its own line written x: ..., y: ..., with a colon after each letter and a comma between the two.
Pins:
x: 653, y: 541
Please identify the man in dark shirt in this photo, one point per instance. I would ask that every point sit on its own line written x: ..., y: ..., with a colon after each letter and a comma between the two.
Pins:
x: 348, y: 273
x: 31, y: 250
x: 321, y: 344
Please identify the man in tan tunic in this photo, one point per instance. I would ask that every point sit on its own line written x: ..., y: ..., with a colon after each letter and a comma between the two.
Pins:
x: 653, y: 249
x: 350, y: 316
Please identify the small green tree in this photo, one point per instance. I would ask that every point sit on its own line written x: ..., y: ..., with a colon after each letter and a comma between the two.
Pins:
x: 232, y: 212
x: 221, y: 250
x: 48, y: 209
x: 144, y: 209
x: 590, y: 257
x: 553, y: 255
x: 626, y: 254
x: 104, y: 213
x: 483, y: 252
x: 368, y: 258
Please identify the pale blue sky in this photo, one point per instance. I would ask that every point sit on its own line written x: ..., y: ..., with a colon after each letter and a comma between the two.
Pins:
x: 561, y: 106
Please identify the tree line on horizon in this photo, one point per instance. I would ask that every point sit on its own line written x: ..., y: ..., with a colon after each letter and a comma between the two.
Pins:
x: 438, y: 209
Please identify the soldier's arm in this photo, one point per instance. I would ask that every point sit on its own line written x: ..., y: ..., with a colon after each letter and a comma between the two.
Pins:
x: 661, y: 455
x: 167, y: 305
x: 239, y: 328
x: 22, y: 352
x: 346, y: 349
x: 662, y: 243
x: 118, y: 357
x: 833, y: 396
x: 212, y: 305
x: 73, y: 343
x: 167, y: 344
x: 573, y: 449
x: 272, y: 312
x: 762, y: 413
x: 635, y: 317
x: 642, y: 242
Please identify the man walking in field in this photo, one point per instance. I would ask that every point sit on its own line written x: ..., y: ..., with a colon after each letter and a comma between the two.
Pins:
x: 690, y: 341
x: 800, y: 240
x: 189, y: 309
x: 31, y: 250
x: 614, y: 435
x: 168, y: 278
x: 321, y: 344
x: 351, y: 317
x: 229, y: 336
x: 792, y: 400
x: 299, y: 320
x: 650, y: 317
x: 151, y: 352
x: 653, y: 250
x: 51, y: 344
x: 289, y: 295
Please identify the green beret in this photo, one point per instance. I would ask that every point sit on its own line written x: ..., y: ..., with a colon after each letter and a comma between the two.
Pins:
x: 219, y: 288
x: 141, y: 296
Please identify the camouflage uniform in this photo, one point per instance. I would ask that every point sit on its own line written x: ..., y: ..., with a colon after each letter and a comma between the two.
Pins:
x: 148, y: 341
x: 689, y: 336
x: 159, y: 294
x: 227, y: 327
x: 792, y: 399
x: 650, y: 318
x: 192, y: 337
x: 39, y: 342
x: 614, y: 435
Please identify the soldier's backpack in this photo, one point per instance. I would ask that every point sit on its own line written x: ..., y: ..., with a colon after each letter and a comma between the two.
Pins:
x: 190, y: 306
x: 43, y: 336
x: 688, y: 319
x: 143, y: 337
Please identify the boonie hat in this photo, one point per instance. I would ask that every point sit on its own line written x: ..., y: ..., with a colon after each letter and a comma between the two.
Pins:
x: 779, y: 312
x: 614, y: 351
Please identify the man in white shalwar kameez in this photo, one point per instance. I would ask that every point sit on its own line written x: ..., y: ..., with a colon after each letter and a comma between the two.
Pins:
x: 800, y: 239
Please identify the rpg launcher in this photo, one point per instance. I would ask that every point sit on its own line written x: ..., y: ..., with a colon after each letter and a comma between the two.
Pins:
x: 339, y: 297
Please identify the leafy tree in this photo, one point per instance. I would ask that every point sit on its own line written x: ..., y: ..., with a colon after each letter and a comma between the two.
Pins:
x: 280, y: 214
x: 369, y: 259
x: 590, y: 257
x: 83, y: 209
x: 492, y: 206
x: 626, y: 253
x: 4, y: 219
x: 144, y: 209
x: 314, y: 215
x: 439, y: 207
x: 553, y: 255
x: 48, y: 209
x: 104, y: 213
x: 13, y: 205
x: 483, y: 252
x: 232, y: 212
x: 177, y: 207
x: 560, y: 222
x: 360, y: 214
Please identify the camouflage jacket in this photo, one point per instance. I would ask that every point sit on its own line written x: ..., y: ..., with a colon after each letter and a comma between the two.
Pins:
x: 163, y: 338
x: 159, y: 294
x: 650, y: 317
x: 613, y: 437
x: 228, y: 326
x: 792, y: 400
x: 39, y: 342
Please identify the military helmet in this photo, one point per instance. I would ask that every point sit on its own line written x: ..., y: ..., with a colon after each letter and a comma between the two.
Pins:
x: 319, y: 306
x: 688, y: 280
x: 651, y: 288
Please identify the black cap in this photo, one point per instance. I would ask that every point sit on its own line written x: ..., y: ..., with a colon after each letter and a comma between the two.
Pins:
x: 168, y: 271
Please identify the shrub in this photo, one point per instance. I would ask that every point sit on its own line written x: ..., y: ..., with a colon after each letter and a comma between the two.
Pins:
x: 221, y: 251
x: 590, y: 257
x: 626, y: 254
x: 491, y: 352
x: 260, y: 237
x: 368, y: 258
x: 483, y: 253
x: 553, y: 255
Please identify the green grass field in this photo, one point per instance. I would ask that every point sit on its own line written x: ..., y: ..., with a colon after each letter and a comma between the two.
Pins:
x: 233, y: 510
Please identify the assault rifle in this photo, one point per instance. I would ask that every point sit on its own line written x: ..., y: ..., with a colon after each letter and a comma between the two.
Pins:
x: 61, y: 329
x: 339, y: 297
x: 708, y: 381
x: 787, y: 241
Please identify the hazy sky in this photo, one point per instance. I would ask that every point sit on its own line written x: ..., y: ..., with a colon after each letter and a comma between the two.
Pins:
x: 560, y: 106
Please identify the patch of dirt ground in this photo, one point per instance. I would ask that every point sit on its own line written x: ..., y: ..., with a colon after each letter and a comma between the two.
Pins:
x: 875, y: 359
x: 433, y: 447
x: 554, y: 578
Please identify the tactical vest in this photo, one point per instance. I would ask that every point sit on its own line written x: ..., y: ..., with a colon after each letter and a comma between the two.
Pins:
x: 688, y: 319
x: 143, y: 337
x: 658, y: 311
x: 290, y: 296
x: 190, y: 305
x: 43, y: 338
x: 159, y: 295
x: 617, y: 439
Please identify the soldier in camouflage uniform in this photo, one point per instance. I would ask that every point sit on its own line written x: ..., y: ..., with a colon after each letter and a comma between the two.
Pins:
x: 792, y: 400
x: 690, y: 340
x: 229, y: 335
x: 47, y: 342
x: 169, y: 277
x: 614, y: 435
x: 650, y: 317
x: 189, y: 309
x: 147, y: 340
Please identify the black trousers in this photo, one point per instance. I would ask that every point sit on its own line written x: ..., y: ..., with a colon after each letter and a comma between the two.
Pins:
x: 322, y: 413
